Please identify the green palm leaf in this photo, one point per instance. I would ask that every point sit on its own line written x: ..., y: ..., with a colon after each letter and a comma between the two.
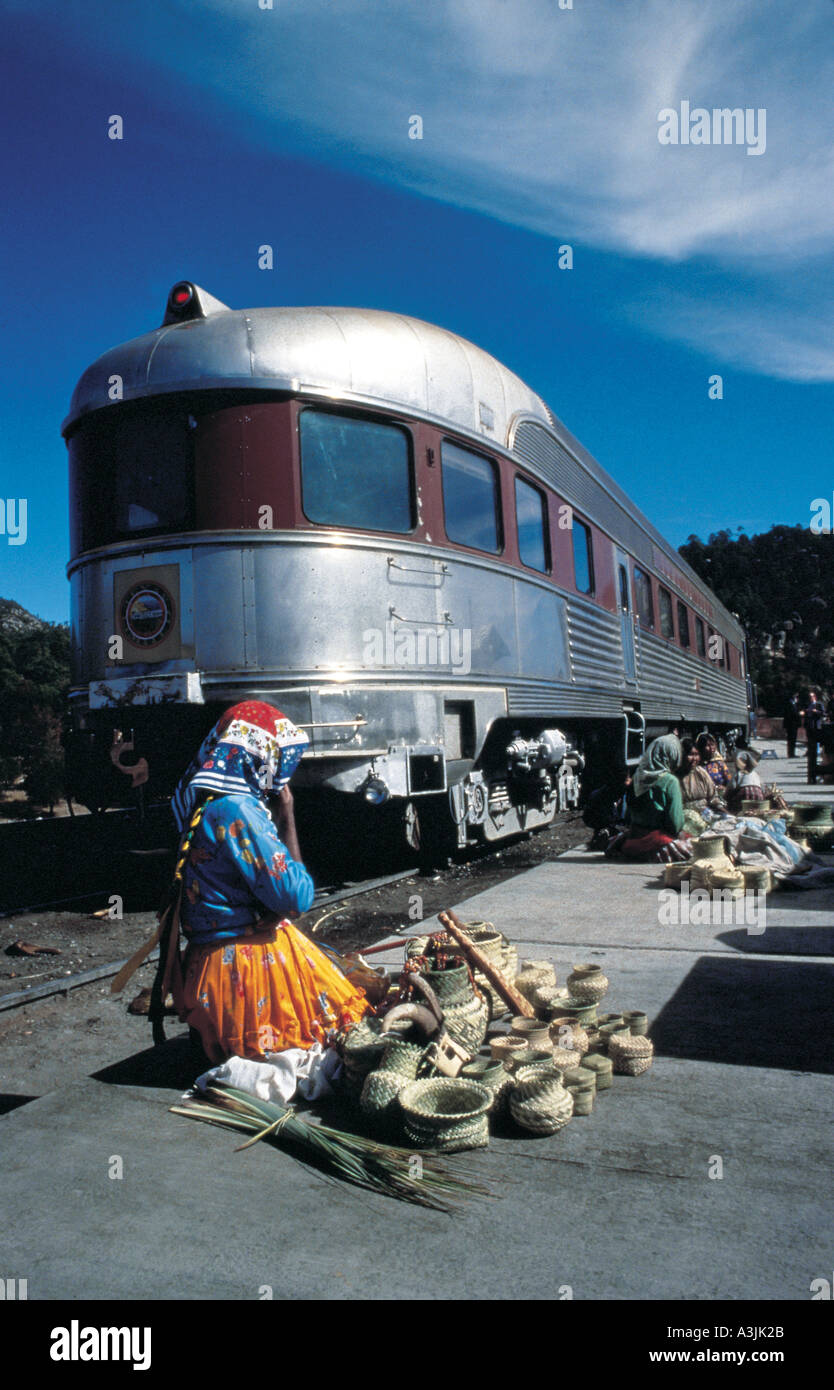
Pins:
x: 356, y: 1159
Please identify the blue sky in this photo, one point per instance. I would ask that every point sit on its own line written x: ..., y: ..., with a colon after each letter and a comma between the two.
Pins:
x: 289, y: 125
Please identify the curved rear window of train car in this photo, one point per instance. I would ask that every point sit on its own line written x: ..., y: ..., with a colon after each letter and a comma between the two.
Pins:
x: 531, y: 523
x: 643, y: 596
x: 355, y: 472
x: 131, y: 473
x: 470, y: 498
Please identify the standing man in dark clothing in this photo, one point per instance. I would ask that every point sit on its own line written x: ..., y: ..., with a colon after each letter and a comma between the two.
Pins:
x: 791, y: 720
x: 814, y: 714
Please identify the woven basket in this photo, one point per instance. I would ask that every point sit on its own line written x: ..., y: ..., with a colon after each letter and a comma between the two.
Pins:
x: 602, y: 1067
x: 539, y: 1102
x: 583, y: 1100
x: 712, y: 848
x: 494, y: 1075
x: 564, y: 1032
x: 564, y: 1058
x: 534, y: 1032
x: 638, y: 1022
x: 631, y: 1055
x: 580, y: 1078
x: 507, y: 1046
x: 753, y: 808
x: 587, y: 984
x: 378, y: 1099
x: 400, y: 1059
x: 532, y: 975
x: 447, y: 1114
x: 676, y: 874
x: 756, y: 878
x: 544, y: 998
x: 609, y: 1031
x: 363, y: 1047
x: 728, y: 881
x: 451, y: 986
x: 580, y: 1013
x: 467, y: 1022
x: 491, y: 943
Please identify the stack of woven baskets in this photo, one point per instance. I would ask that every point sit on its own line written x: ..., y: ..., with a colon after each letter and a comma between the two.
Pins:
x: 540, y: 1074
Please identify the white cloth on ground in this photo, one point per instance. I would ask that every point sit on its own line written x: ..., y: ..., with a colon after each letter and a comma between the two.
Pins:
x: 309, y: 1072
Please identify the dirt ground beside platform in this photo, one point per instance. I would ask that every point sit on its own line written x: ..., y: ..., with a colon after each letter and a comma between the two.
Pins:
x: 86, y: 1029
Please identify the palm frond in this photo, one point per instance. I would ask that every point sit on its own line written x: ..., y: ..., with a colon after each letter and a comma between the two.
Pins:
x: 355, y: 1158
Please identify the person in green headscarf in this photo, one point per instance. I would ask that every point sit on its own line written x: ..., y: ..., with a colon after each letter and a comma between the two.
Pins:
x: 658, y: 804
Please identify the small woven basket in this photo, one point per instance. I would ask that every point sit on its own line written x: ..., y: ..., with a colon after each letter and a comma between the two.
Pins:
x: 630, y: 1055
x: 602, y: 1067
x: 564, y: 1058
x: 507, y: 1046
x: 467, y: 1022
x: 378, y: 1099
x: 638, y: 1022
x: 532, y: 975
x: 539, y: 1102
x: 494, y: 1075
x: 534, y: 1032
x: 447, y: 1114
x: 587, y: 984
x: 566, y: 1033
x: 401, y: 1058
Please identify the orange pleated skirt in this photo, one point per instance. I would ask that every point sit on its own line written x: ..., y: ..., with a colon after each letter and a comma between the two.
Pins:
x: 264, y: 993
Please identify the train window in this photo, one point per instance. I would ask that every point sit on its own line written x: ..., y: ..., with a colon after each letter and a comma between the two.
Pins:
x: 667, y: 622
x: 624, y: 603
x: 470, y: 498
x: 643, y: 595
x: 700, y: 644
x: 355, y: 472
x: 683, y: 624
x: 583, y: 557
x: 131, y: 473
x: 531, y: 521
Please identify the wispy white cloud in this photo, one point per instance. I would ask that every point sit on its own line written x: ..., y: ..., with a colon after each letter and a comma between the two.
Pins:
x: 547, y: 118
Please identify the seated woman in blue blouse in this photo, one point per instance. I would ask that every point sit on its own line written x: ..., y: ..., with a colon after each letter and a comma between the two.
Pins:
x: 251, y: 983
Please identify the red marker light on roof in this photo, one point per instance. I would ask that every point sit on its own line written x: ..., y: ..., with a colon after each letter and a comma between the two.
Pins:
x: 181, y: 296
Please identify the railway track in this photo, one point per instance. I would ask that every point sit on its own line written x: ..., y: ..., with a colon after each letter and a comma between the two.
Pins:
x: 345, y: 915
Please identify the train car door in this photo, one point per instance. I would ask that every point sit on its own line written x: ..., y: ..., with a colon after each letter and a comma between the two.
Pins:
x: 626, y: 604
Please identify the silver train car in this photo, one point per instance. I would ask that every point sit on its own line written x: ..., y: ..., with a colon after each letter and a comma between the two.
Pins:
x: 371, y: 523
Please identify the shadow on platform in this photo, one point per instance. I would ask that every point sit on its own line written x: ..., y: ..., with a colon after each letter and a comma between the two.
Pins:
x: 751, y: 1013
x: 172, y: 1065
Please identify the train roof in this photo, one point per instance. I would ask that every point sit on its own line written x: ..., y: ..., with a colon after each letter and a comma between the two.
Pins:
x: 365, y: 357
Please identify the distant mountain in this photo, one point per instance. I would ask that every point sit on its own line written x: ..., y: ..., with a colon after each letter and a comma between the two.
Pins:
x: 15, y: 619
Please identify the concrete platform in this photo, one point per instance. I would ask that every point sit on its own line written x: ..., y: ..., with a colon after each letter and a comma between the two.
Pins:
x: 620, y: 1204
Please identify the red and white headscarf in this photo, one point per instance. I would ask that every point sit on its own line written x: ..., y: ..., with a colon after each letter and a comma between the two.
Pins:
x: 252, y: 750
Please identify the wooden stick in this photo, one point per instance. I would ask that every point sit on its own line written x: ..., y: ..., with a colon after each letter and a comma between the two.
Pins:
x: 508, y: 992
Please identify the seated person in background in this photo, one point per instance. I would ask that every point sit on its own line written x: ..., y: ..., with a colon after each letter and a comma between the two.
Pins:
x: 697, y: 787
x: 656, y: 813
x: 711, y: 760
x: 745, y: 784
x: 605, y: 810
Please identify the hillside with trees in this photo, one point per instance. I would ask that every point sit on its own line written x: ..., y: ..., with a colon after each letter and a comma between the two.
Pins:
x: 34, y: 680
x: 781, y: 586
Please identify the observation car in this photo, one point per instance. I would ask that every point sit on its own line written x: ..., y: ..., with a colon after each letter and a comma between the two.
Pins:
x: 371, y: 523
